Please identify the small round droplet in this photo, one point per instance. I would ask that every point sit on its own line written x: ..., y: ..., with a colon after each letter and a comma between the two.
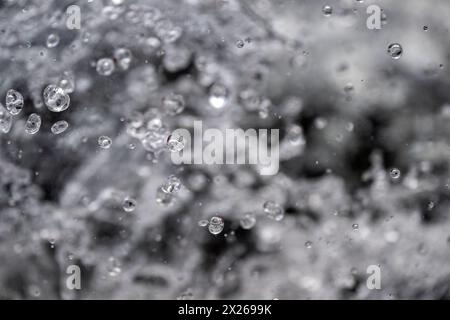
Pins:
x: 308, y: 244
x: 33, y: 124
x: 327, y: 10
x: 129, y: 204
x: 173, y: 104
x: 55, y: 98
x: 123, y: 57
x: 59, y: 127
x: 355, y: 226
x: 216, y: 225
x: 240, y: 43
x: 203, y: 223
x: 273, y: 210
x: 52, y: 40
x: 248, y: 221
x: 175, y: 143
x: 67, y: 82
x: 218, y: 96
x: 104, y: 142
x: 395, y: 50
x: 395, y: 173
x: 105, y: 67
x: 295, y: 135
x: 14, y: 102
x: 172, y: 185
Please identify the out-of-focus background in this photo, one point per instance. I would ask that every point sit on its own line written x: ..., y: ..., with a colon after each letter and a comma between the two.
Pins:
x: 364, y: 132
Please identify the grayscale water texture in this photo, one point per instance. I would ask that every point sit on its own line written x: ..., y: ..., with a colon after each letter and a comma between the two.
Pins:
x: 364, y: 120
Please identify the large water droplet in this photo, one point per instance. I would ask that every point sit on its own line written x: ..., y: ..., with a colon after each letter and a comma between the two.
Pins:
x: 216, y: 225
x: 14, y: 102
x: 105, y: 67
x: 59, y: 127
x: 175, y: 143
x: 273, y: 210
x: 55, y: 98
x: 33, y: 124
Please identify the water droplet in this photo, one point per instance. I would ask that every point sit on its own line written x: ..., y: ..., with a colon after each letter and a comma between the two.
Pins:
x: 105, y: 67
x: 348, y: 88
x: 163, y: 198
x: 355, y: 226
x: 172, y: 185
x: 67, y: 82
x: 248, y: 221
x: 273, y: 210
x: 52, y: 40
x: 203, y: 223
x: 112, y: 12
x: 34, y: 291
x: 5, y: 120
x: 327, y: 10
x: 176, y: 59
x: 308, y: 244
x: 175, y: 143
x: 240, y: 43
x: 395, y: 173
x: 349, y: 127
x: 173, y: 104
x: 104, y: 142
x: 33, y: 124
x: 295, y: 135
x: 395, y: 50
x: 218, y: 96
x: 55, y: 98
x: 129, y: 204
x: 250, y: 99
x: 155, y: 140
x: 123, y: 57
x: 320, y: 123
x: 216, y: 225
x: 113, y: 267
x: 14, y: 102
x: 59, y: 127
x: 167, y: 31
